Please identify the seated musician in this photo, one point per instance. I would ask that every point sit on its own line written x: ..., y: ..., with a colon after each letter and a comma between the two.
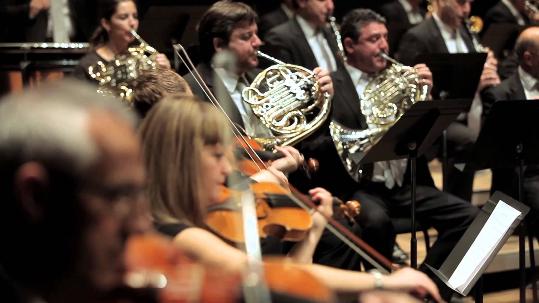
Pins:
x: 71, y: 179
x: 185, y: 147
x: 113, y: 37
x: 230, y: 26
x: 523, y: 85
x: 445, y: 32
x: 385, y: 190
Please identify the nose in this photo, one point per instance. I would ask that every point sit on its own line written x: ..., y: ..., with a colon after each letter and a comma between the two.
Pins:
x: 466, y: 9
x: 384, y: 44
x: 133, y: 23
x: 330, y: 6
x: 226, y: 167
x: 256, y: 41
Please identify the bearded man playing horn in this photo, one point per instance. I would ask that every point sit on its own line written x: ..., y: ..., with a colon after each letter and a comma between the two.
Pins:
x: 384, y: 192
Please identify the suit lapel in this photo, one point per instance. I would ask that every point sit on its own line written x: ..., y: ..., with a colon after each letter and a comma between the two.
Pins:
x: 215, y: 84
x: 303, y: 45
x: 517, y: 91
x: 437, y: 41
x: 349, y: 100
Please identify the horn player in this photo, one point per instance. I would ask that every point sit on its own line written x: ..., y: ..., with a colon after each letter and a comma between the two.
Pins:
x: 385, y: 193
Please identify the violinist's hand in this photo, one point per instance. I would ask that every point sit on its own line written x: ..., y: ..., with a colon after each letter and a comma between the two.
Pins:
x: 36, y: 6
x: 324, y: 80
x: 271, y: 175
x: 162, y: 61
x: 290, y: 162
x: 324, y: 209
x: 489, y: 76
x: 412, y: 281
x: 425, y: 75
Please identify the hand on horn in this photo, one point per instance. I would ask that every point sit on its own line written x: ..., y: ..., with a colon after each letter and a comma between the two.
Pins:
x: 324, y: 80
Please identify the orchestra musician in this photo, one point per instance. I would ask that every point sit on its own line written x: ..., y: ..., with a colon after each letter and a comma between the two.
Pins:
x: 523, y: 85
x: 306, y: 39
x: 280, y: 15
x: 386, y: 193
x: 113, y: 36
x: 231, y: 27
x: 72, y: 194
x: 185, y: 147
x: 445, y: 32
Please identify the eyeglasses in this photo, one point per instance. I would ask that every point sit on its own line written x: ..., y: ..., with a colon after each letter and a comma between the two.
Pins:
x: 120, y: 198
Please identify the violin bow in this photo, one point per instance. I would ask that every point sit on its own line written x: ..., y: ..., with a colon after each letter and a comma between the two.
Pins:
x: 363, y: 249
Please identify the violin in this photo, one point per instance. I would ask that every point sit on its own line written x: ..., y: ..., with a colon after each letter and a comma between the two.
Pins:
x: 277, y: 215
x: 363, y: 249
x: 154, y: 262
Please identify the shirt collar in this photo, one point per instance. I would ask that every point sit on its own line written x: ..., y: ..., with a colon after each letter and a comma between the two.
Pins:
x: 355, y: 74
x: 230, y: 79
x: 528, y: 81
x: 446, y: 30
x: 306, y: 27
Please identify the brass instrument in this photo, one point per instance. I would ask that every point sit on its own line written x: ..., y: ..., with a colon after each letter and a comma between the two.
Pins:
x: 335, y: 28
x: 288, y: 101
x: 474, y: 25
x: 385, y: 100
x: 113, y: 77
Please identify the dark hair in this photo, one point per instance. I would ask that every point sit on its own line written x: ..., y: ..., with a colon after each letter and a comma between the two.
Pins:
x: 152, y: 85
x: 219, y: 21
x: 353, y: 22
x: 106, y: 8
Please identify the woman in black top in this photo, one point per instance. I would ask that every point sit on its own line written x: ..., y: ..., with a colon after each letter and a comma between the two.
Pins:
x: 186, y: 153
x: 113, y: 37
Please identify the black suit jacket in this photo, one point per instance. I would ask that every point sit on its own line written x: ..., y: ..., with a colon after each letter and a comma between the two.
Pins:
x: 397, y: 22
x: 18, y: 27
x: 499, y: 13
x: 271, y: 20
x: 288, y: 43
x: 215, y: 84
x: 347, y: 111
x: 504, y: 179
x: 509, y: 89
x: 426, y: 38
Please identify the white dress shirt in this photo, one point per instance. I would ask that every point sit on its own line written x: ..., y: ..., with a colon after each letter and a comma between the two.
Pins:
x: 319, y: 45
x: 452, y: 38
x: 234, y: 86
x: 388, y: 172
x: 529, y: 83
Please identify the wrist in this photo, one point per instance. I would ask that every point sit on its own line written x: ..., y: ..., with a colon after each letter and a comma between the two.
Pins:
x: 378, y: 279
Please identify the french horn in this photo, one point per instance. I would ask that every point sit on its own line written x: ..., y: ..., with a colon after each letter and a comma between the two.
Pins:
x: 386, y: 98
x: 113, y: 77
x: 288, y: 101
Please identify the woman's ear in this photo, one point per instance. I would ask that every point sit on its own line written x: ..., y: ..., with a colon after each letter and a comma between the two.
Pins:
x: 31, y: 182
x: 218, y: 44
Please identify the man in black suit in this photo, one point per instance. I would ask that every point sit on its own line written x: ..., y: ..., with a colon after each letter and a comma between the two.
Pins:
x: 384, y: 191
x: 445, y: 32
x: 29, y: 20
x: 508, y: 11
x: 276, y: 17
x: 401, y: 15
x: 523, y: 85
x: 306, y: 39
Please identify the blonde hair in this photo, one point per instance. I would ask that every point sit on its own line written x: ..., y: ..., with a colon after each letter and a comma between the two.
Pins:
x: 173, y: 135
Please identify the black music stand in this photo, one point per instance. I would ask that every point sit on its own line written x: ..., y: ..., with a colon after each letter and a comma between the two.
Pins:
x: 414, y: 133
x: 509, y: 138
x: 478, y: 246
x: 501, y: 37
x: 455, y: 76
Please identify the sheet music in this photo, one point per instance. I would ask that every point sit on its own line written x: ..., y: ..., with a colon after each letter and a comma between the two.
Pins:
x: 487, y: 240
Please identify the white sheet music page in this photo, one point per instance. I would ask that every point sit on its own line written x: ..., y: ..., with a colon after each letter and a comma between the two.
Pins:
x: 487, y: 240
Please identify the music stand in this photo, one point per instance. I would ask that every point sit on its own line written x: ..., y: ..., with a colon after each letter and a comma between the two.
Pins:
x: 455, y: 76
x: 480, y: 243
x: 500, y: 37
x: 514, y: 121
x: 413, y: 133
x: 453, y: 81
